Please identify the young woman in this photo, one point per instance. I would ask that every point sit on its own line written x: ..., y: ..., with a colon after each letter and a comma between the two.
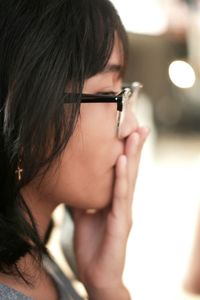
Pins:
x: 67, y: 135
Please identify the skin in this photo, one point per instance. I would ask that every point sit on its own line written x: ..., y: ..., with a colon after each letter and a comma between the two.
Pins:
x: 96, y: 170
x: 84, y: 178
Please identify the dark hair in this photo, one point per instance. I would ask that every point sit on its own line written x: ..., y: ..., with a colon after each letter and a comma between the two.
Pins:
x: 44, y: 46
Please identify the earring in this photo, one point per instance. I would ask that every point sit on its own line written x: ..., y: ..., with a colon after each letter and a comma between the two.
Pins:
x: 19, y: 172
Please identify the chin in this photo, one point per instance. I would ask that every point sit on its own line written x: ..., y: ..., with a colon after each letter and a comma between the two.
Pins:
x: 97, y: 194
x: 102, y: 200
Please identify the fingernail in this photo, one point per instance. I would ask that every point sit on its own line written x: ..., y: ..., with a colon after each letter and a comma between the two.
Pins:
x: 146, y: 131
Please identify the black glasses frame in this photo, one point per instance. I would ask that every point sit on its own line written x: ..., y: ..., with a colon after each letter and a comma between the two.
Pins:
x: 98, y: 98
x: 119, y: 99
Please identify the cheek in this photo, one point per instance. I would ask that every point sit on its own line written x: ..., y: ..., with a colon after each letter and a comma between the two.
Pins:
x: 95, y: 150
x: 97, y: 136
x: 86, y: 171
x: 83, y: 181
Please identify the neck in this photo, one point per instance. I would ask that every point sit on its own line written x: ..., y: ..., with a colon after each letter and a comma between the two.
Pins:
x: 40, y: 208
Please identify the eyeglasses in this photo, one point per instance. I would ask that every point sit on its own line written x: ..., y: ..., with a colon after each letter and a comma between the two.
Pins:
x: 125, y: 101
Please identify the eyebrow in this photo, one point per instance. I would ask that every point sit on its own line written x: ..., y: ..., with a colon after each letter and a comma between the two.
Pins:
x: 113, y: 68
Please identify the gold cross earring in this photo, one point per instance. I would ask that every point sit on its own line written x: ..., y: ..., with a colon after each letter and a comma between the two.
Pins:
x: 19, y: 171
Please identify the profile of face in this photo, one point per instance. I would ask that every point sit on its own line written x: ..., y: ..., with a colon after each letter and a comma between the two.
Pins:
x: 84, y: 176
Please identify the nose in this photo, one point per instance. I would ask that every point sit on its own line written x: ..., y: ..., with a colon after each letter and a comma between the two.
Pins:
x: 128, y: 124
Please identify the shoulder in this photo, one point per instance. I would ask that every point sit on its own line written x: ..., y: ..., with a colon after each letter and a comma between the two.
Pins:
x: 7, y: 293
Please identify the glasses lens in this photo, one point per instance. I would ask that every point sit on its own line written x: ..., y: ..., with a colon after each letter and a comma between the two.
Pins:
x: 130, y: 96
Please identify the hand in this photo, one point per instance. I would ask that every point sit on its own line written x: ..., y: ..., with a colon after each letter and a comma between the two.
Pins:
x: 101, y: 238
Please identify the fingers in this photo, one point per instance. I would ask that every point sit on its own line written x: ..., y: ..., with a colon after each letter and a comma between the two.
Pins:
x: 133, y: 148
x: 126, y: 171
x: 121, y: 178
x: 135, y: 142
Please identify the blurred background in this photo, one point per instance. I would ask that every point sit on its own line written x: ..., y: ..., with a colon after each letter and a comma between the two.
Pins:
x: 163, y: 255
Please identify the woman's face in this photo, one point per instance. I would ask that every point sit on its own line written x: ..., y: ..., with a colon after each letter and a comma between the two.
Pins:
x: 85, y: 175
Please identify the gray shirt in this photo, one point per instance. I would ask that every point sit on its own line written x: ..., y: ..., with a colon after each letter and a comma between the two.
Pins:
x: 7, y: 293
x: 65, y: 289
